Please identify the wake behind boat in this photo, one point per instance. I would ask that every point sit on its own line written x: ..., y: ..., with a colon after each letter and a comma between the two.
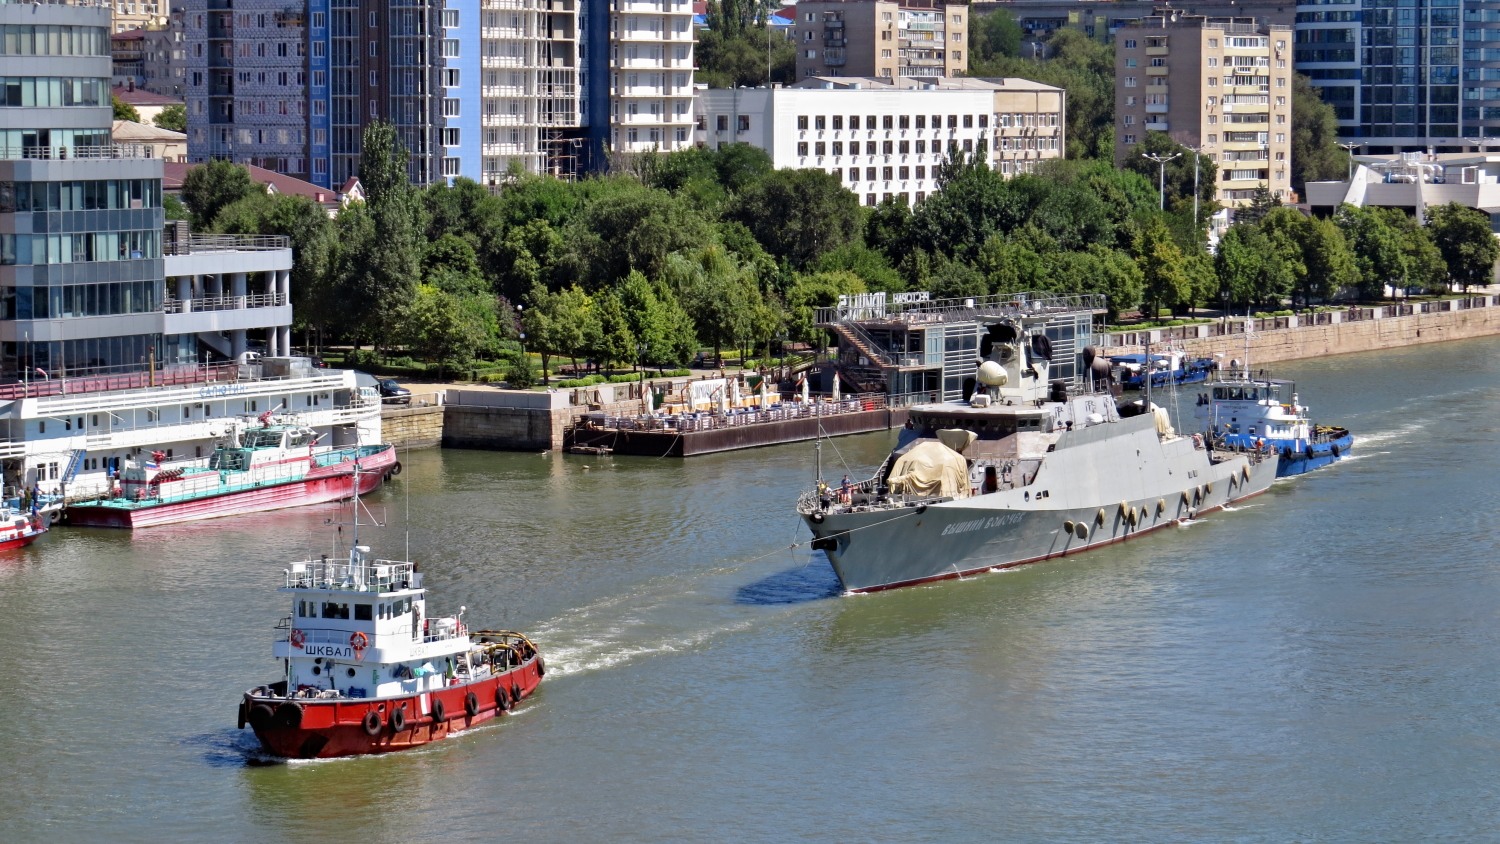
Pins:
x: 1023, y: 468
x: 368, y: 669
x: 266, y: 463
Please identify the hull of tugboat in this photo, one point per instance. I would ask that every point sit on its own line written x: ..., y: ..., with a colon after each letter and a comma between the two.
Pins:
x: 309, y: 728
x: 321, y: 485
x: 1113, y: 489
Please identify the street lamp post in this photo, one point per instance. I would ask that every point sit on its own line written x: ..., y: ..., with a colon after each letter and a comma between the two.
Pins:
x: 1161, y: 177
x: 1350, y: 148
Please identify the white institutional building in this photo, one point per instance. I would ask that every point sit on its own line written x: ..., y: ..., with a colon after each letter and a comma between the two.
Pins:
x: 888, y: 138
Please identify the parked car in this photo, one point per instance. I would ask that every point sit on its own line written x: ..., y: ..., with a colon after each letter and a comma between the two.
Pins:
x: 393, y: 393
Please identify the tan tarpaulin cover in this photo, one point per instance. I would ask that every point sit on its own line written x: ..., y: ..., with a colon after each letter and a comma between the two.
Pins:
x: 930, y: 468
x: 957, y: 439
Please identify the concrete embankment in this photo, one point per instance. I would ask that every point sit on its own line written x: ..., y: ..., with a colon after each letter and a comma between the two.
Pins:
x: 1356, y: 329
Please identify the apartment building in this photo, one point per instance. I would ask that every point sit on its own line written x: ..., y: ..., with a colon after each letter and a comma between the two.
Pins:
x: 136, y: 14
x: 1415, y: 76
x: 1222, y: 86
x: 881, y: 38
x: 888, y: 137
x: 83, y: 263
x: 474, y: 88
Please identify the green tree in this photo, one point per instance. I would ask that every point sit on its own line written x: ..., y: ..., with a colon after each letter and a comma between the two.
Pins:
x: 173, y: 117
x: 616, y: 340
x: 797, y: 215
x: 1164, y: 280
x: 1261, y: 203
x: 442, y: 330
x: 1329, y: 262
x: 1085, y: 68
x: 812, y: 291
x: 210, y: 186
x: 1316, y: 155
x: 174, y: 209
x: 718, y: 294
x: 995, y: 34
x: 870, y: 265
x: 124, y: 110
x: 657, y: 321
x: 392, y: 266
x: 630, y: 227
x: 1378, y: 250
x: 1464, y: 239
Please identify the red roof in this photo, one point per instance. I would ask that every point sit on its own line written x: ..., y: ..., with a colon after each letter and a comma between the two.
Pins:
x: 128, y: 35
x: 142, y: 97
x: 174, y: 172
x: 700, y: 7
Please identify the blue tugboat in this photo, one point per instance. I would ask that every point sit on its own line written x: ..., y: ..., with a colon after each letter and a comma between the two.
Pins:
x: 1167, y: 369
x: 1252, y: 413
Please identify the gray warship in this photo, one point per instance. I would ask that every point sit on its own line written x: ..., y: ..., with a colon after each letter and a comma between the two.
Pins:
x: 1023, y: 451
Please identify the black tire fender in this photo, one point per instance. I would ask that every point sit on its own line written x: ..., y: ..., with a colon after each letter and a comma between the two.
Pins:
x: 439, y: 712
x: 541, y: 666
x: 289, y: 715
x: 817, y: 518
x: 244, y: 713
x: 398, y: 719
x: 260, y: 715
x: 371, y: 723
x: 502, y: 700
x: 396, y: 468
x: 471, y: 704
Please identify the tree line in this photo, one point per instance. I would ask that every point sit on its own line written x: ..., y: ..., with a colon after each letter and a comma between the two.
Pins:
x: 672, y: 253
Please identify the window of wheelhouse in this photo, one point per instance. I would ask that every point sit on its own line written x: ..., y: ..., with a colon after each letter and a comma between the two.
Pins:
x: 363, y: 612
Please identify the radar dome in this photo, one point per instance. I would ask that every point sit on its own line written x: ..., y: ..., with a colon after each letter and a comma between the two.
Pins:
x: 992, y: 374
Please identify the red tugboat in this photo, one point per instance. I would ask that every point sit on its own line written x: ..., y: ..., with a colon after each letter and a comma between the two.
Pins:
x: 368, y: 670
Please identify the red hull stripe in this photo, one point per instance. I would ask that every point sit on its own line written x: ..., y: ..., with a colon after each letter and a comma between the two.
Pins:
x: 331, y: 728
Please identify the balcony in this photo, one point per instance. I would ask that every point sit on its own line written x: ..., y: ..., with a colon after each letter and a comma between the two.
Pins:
x: 1157, y: 71
x: 1156, y: 127
x: 1156, y: 108
x: 1156, y: 51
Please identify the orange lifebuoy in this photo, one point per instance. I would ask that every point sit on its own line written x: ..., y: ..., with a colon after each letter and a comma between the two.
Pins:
x: 358, y: 641
x: 298, y: 639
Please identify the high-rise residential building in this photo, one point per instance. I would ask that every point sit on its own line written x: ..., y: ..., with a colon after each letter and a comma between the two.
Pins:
x: 1222, y: 86
x: 881, y: 38
x: 886, y: 138
x: 1405, y: 75
x: 474, y: 88
x: 83, y: 261
x: 649, y: 87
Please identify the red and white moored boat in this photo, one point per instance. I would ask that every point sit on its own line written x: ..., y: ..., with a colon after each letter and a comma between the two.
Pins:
x: 369, y: 670
x: 265, y: 464
x: 17, y: 530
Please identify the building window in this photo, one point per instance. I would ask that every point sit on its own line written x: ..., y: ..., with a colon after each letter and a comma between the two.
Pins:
x: 1131, y: 62
x: 450, y: 19
x: 450, y: 137
x: 838, y: 147
x: 820, y: 148
x: 451, y: 167
x: 450, y: 48
x: 744, y: 123
x: 802, y: 148
x: 1129, y: 81
x: 802, y: 122
x: 451, y: 107
x: 853, y: 174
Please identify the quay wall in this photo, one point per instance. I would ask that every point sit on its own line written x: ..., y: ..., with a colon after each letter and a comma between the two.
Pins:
x: 1329, y: 333
x: 412, y: 427
x: 513, y: 420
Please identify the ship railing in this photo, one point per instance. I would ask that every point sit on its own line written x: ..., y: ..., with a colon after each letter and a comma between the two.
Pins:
x: 709, y: 420
x: 962, y: 308
x: 370, y: 576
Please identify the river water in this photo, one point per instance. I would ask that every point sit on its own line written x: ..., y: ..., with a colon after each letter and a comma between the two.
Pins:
x: 1317, y: 665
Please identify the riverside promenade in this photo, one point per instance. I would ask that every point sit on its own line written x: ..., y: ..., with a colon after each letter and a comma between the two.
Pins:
x: 1337, y: 332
